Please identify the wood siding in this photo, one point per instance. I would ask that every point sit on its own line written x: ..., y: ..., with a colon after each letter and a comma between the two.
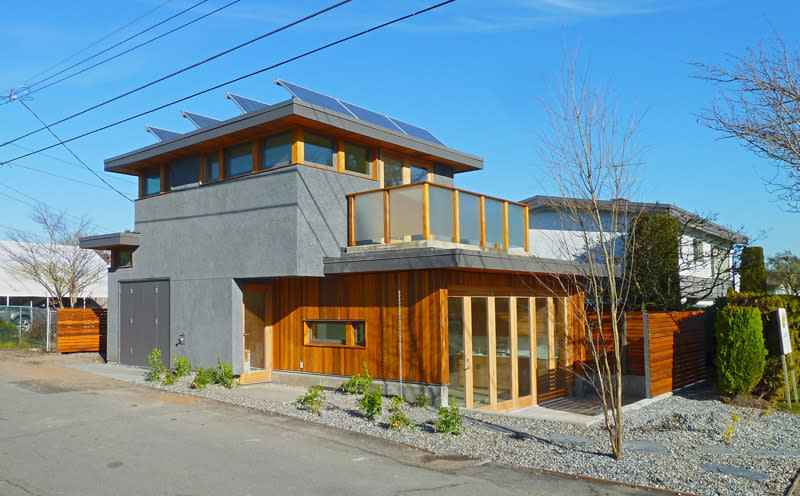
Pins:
x: 677, y: 349
x: 82, y: 329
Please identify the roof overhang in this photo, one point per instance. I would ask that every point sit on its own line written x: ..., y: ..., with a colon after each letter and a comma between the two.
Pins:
x: 284, y: 116
x: 110, y: 241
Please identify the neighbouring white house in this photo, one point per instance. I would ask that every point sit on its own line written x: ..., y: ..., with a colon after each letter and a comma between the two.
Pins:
x: 706, y: 248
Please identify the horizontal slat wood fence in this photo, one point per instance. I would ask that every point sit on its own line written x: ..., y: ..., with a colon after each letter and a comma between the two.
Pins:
x: 82, y: 329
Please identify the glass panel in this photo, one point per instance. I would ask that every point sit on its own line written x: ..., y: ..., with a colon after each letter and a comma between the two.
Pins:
x: 480, y: 352
x: 357, y: 159
x: 212, y: 166
x: 503, y: 351
x: 405, y: 213
x: 560, y: 342
x: 392, y: 172
x: 360, y: 333
x: 185, y: 170
x: 319, y: 150
x: 516, y: 226
x: 152, y: 182
x: 523, y: 347
x: 542, y: 347
x: 418, y: 174
x: 457, y: 355
x: 441, y: 209
x: 123, y: 257
x: 254, y: 321
x: 329, y: 332
x: 469, y: 221
x: 238, y: 160
x: 369, y: 218
x: 494, y: 223
x: 276, y: 150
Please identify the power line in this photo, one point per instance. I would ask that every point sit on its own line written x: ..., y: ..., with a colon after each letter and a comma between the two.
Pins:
x: 135, y: 47
x: 66, y: 178
x: 180, y: 71
x: 73, y: 153
x: 231, y: 81
x: 96, y: 42
x: 116, y: 177
x: 150, y: 28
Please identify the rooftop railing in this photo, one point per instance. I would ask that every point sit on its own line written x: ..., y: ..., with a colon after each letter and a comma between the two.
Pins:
x: 428, y: 211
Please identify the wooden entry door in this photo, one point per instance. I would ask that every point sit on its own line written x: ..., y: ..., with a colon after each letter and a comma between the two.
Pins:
x: 257, y: 334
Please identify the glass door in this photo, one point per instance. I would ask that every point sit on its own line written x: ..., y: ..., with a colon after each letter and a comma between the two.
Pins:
x: 257, y: 363
x: 550, y: 359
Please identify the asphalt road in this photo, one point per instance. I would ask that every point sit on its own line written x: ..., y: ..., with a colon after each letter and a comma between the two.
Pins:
x: 67, y: 432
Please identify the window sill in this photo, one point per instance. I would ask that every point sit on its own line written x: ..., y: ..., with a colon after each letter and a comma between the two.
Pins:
x: 334, y: 345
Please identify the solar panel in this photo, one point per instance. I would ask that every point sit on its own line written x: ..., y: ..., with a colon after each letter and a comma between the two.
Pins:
x: 245, y: 104
x: 161, y: 134
x: 199, y: 120
x: 313, y: 97
x: 360, y: 113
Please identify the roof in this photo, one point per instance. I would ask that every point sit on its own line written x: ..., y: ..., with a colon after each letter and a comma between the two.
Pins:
x: 696, y: 221
x: 113, y: 240
x: 15, y: 286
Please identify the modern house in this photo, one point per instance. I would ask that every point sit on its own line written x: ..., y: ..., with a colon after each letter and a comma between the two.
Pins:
x: 706, y: 249
x: 301, y: 239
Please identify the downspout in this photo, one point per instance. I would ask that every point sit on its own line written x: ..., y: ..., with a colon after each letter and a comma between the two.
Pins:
x: 400, y: 332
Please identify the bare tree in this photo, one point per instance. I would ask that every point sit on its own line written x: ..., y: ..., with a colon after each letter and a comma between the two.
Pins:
x: 759, y: 104
x: 589, y: 152
x: 55, y: 261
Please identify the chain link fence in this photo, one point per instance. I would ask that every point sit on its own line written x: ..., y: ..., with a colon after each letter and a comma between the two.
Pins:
x: 29, y: 326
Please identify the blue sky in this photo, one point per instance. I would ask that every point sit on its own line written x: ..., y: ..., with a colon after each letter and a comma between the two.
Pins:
x: 472, y: 72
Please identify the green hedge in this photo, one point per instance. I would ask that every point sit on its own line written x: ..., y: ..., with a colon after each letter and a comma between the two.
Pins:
x: 741, y: 354
x: 8, y: 331
x: 752, y: 270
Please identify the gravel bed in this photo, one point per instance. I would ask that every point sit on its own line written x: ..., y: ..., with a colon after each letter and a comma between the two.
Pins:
x: 691, y: 431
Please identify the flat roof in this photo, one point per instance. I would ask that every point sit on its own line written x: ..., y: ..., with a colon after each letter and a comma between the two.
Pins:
x: 113, y: 240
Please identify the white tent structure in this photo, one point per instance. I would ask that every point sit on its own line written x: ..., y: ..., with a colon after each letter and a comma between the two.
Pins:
x: 14, y: 286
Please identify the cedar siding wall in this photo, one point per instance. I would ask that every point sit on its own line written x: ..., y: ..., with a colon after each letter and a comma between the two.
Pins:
x: 373, y: 299
x: 677, y: 351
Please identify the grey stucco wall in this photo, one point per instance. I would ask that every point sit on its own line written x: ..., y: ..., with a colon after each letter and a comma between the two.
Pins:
x: 207, y: 239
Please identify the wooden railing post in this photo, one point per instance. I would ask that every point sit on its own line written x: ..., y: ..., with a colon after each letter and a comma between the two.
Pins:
x: 387, y: 233
x: 482, y: 216
x: 527, y: 227
x: 505, y: 225
x: 351, y: 220
x: 426, y: 211
x: 456, y: 225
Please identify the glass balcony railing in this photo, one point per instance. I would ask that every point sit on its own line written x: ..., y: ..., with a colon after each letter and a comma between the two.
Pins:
x: 427, y: 211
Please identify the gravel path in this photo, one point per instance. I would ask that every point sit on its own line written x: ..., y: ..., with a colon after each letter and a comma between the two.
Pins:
x: 677, y: 443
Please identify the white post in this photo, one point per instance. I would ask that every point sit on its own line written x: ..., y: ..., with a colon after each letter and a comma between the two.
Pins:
x: 794, y: 379
x: 47, y: 309
x: 786, y: 383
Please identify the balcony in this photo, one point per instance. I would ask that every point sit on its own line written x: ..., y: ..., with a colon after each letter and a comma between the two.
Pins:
x: 427, y: 211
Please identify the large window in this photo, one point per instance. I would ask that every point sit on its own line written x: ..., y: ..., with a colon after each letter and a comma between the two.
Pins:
x: 357, y: 159
x: 121, y: 258
x: 319, y: 150
x: 336, y: 332
x: 276, y: 150
x: 418, y: 174
x: 238, y: 160
x: 392, y: 172
x: 212, y: 166
x: 152, y: 182
x: 184, y: 171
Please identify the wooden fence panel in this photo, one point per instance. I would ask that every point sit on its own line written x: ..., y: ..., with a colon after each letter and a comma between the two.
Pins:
x: 676, y: 348
x: 82, y: 329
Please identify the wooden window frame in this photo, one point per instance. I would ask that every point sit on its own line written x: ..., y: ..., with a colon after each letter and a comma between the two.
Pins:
x: 114, y: 252
x: 350, y: 338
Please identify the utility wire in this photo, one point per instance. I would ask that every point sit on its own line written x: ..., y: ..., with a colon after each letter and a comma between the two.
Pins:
x: 115, y: 45
x: 96, y: 42
x: 117, y: 177
x: 215, y: 87
x: 180, y: 71
x: 120, y: 54
x: 73, y: 153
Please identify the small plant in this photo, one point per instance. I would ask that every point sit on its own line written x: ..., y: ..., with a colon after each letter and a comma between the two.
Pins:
x: 169, y: 378
x: 203, y: 378
x: 223, y: 375
x: 728, y: 434
x: 398, y: 419
x: 371, y: 404
x: 358, y: 384
x: 449, y: 420
x: 156, y: 367
x: 312, y: 400
x: 421, y: 401
x: 183, y: 367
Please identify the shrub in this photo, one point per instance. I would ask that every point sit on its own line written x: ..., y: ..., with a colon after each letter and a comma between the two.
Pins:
x: 169, y: 378
x: 203, y: 378
x: 421, y: 401
x: 752, y: 270
x: 358, y: 384
x: 371, y: 404
x: 156, y: 367
x: 8, y: 331
x: 183, y: 367
x: 740, y: 349
x: 450, y: 420
x: 312, y: 400
x: 654, y: 262
x: 223, y: 375
x: 398, y: 419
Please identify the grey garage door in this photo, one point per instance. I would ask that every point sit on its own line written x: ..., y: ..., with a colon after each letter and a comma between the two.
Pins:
x: 144, y: 321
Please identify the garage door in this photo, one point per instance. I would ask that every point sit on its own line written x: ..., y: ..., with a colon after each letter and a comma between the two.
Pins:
x: 144, y: 321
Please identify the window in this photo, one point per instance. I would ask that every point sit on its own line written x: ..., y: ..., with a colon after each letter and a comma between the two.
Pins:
x: 184, y: 171
x: 152, y: 182
x: 697, y: 250
x: 276, y: 150
x: 418, y: 174
x: 212, y: 166
x: 319, y: 150
x: 337, y: 332
x: 121, y: 258
x: 357, y: 159
x: 392, y: 172
x: 238, y: 160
